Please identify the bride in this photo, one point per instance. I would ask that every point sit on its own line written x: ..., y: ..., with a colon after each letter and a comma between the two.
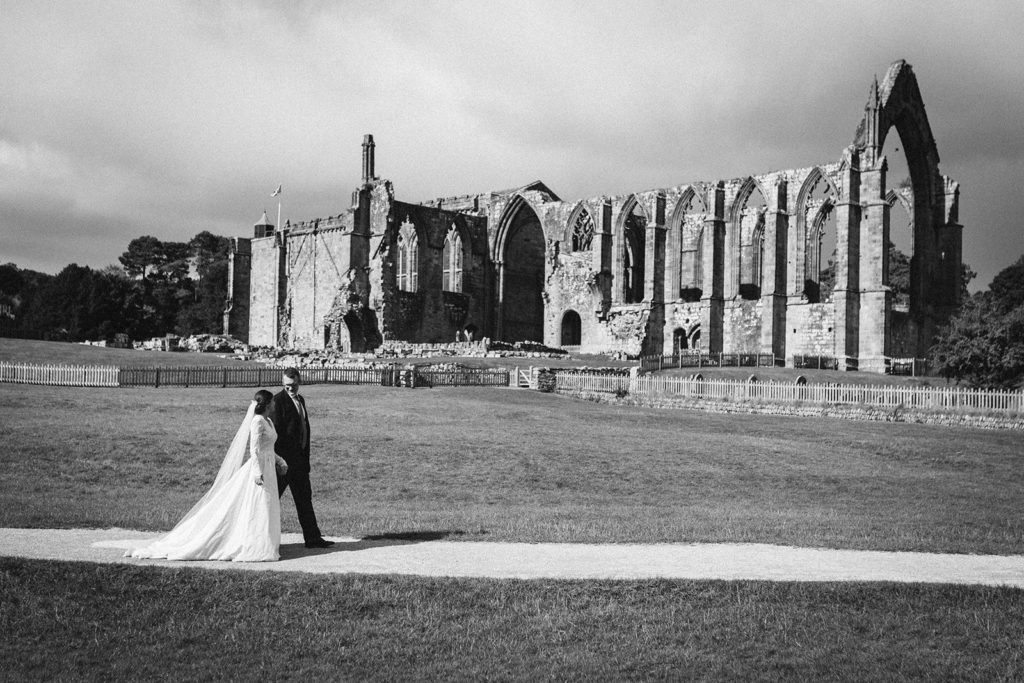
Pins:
x: 239, y: 518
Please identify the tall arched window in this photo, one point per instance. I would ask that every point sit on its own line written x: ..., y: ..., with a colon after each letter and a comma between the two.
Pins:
x: 582, y: 232
x: 451, y: 262
x: 691, y: 216
x: 633, y: 260
x: 408, y: 257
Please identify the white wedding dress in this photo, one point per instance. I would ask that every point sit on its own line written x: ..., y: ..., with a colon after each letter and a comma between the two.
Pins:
x: 237, y: 519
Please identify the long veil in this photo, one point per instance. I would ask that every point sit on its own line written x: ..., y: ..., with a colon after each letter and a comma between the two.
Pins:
x: 232, y: 461
x: 184, y: 531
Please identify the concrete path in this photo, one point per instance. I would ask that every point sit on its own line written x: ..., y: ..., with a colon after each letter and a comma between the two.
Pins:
x: 549, y: 560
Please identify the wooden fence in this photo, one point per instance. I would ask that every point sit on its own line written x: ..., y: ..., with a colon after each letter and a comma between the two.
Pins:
x: 881, y: 396
x: 241, y: 376
x: 59, y: 375
x: 696, y: 359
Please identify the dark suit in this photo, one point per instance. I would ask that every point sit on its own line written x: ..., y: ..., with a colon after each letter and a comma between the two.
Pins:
x: 285, y: 416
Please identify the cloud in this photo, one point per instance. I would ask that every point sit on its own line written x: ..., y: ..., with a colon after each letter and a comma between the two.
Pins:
x: 170, y: 118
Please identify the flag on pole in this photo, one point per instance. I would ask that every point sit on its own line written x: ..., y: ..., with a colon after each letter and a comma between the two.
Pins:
x: 277, y: 191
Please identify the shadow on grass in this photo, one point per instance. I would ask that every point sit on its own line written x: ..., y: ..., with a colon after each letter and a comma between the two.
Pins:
x: 291, y: 551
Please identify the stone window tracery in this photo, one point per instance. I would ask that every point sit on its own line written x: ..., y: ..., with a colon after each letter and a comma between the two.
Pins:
x: 451, y: 260
x: 582, y: 232
x: 407, y: 277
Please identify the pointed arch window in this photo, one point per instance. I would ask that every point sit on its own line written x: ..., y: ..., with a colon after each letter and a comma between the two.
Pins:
x: 582, y: 232
x: 451, y: 261
x: 408, y: 258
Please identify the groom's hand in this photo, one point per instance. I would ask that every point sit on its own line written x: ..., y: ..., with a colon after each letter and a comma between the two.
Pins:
x: 259, y: 480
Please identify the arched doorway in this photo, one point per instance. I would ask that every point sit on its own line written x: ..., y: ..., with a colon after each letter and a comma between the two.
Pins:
x: 571, y: 329
x: 521, y: 286
x: 679, y: 341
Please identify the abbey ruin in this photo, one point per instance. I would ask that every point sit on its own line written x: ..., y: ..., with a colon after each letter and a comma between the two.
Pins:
x: 784, y: 263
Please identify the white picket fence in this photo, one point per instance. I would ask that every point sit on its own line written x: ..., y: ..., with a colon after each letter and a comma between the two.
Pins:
x: 882, y: 396
x: 59, y: 375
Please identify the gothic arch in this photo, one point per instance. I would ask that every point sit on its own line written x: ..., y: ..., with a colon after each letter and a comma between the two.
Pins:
x: 630, y: 243
x: 456, y: 257
x: 407, y: 241
x: 935, y: 266
x: 570, y: 240
x: 810, y: 224
x: 520, y: 254
x: 684, y: 249
x: 741, y: 251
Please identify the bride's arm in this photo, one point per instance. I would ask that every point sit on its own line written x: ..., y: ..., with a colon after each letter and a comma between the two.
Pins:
x: 255, y: 432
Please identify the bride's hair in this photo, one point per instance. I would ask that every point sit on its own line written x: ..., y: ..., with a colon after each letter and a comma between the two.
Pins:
x: 262, y: 398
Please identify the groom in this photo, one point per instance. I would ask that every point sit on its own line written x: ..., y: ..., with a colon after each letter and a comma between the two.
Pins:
x: 288, y: 413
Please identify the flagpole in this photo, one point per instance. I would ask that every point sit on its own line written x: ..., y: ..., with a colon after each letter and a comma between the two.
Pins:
x: 279, y: 215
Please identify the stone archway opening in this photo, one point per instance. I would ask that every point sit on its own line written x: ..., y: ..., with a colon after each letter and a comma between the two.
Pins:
x: 572, y: 329
x: 900, y: 198
x: 633, y: 258
x: 352, y: 328
x: 522, y: 277
x: 748, y: 240
x: 820, y: 241
x: 680, y: 341
x: 695, y: 338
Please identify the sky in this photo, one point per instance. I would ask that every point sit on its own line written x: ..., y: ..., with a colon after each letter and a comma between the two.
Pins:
x: 167, y: 118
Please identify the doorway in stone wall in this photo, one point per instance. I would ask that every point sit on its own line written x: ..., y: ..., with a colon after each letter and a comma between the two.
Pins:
x: 571, y: 329
x: 680, y: 343
x: 354, y: 327
x: 521, y: 243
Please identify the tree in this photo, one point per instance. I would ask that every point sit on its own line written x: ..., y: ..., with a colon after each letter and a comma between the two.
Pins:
x: 1008, y: 286
x: 899, y: 275
x: 143, y: 255
x: 983, y: 344
x: 205, y: 312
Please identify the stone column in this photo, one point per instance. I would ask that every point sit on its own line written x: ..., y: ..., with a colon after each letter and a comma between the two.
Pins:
x: 773, y: 273
x: 712, y: 298
x: 499, y: 318
x: 875, y: 295
x: 846, y: 293
x: 654, y: 279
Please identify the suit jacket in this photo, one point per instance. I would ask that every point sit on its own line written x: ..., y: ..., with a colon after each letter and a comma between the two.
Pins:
x: 285, y: 416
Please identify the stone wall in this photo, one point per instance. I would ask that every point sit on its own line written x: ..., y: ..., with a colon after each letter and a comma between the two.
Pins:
x: 264, y: 296
x: 738, y: 264
x: 236, y: 309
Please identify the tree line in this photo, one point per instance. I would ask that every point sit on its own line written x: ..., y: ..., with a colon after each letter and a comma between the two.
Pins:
x: 157, y: 288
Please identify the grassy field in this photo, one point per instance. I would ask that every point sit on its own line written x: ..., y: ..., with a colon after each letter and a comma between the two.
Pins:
x: 501, y: 464
x: 88, y: 622
x: 66, y: 353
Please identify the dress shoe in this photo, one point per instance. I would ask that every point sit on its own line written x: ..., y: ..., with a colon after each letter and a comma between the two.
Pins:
x: 319, y: 543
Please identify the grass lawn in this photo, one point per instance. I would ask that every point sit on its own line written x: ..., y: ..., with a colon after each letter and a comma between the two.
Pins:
x: 111, y: 622
x: 67, y: 353
x: 501, y: 464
